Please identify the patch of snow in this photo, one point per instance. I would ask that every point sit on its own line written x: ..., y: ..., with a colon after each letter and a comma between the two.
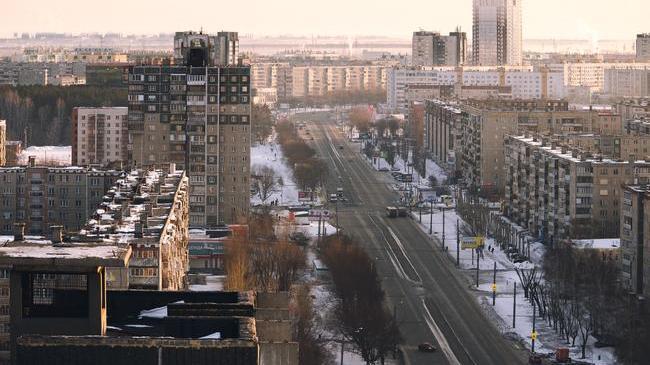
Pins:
x: 212, y: 336
x: 47, y: 155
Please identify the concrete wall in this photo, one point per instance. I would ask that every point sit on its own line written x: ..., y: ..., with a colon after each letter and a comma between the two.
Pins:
x: 278, y: 353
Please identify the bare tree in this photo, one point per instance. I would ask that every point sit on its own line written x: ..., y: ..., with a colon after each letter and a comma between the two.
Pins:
x: 312, y: 350
x: 266, y: 181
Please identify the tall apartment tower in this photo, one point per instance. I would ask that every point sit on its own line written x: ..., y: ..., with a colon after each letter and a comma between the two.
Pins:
x: 433, y: 49
x: 496, y: 32
x: 643, y: 47
x: 196, y: 114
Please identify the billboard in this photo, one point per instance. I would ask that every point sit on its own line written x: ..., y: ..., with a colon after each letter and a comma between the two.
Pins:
x: 472, y: 243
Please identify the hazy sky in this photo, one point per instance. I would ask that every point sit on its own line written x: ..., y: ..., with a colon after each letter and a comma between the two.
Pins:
x: 585, y: 19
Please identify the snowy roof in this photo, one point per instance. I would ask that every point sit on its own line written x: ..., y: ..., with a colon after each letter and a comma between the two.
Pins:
x: 44, y: 253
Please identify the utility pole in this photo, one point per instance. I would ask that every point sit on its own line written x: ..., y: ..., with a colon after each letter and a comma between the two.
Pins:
x: 443, y: 228
x: 431, y: 218
x: 514, y: 305
x: 457, y: 244
x: 494, y: 284
x: 420, y: 219
x: 342, y: 345
x: 337, y: 215
x: 478, y: 259
x: 533, y: 335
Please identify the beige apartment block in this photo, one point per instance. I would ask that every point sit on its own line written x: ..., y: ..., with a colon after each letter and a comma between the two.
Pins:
x: 100, y: 136
x: 558, y: 193
x: 41, y: 197
x: 635, y: 239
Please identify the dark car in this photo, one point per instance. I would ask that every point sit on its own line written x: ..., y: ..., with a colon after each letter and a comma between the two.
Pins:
x: 426, y: 347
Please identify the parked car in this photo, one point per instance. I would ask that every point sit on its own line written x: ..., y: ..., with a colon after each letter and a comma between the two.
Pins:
x: 383, y: 169
x: 426, y: 347
x: 299, y: 237
x: 340, y: 146
x: 396, y: 174
x: 395, y: 169
x: 333, y: 198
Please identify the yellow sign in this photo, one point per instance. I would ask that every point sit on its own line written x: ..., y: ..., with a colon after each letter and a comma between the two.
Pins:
x: 472, y: 242
x: 533, y: 335
x: 494, y: 287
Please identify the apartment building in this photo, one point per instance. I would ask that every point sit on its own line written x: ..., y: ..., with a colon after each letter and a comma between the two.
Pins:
x: 635, y: 238
x: 643, y: 47
x: 633, y: 108
x: 477, y: 134
x: 591, y: 74
x: 627, y: 82
x: 433, y: 49
x: 44, y: 196
x: 149, y: 212
x: 300, y: 81
x: 197, y: 115
x: 276, y: 75
x: 524, y: 82
x: 317, y: 81
x: 336, y: 79
x: 497, y: 32
x: 560, y: 193
x: 3, y: 142
x: 612, y: 146
x: 441, y: 123
x: 220, y: 49
x: 100, y: 136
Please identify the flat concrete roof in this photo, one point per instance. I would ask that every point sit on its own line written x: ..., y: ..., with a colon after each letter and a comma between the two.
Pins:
x: 70, y: 255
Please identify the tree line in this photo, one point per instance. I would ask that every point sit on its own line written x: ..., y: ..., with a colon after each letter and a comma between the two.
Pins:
x: 360, y: 312
x: 44, y: 113
x: 309, y: 171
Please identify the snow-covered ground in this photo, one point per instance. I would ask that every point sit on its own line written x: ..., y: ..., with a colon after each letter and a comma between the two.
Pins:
x: 270, y: 154
x: 548, y: 340
x: 47, y: 155
x: 432, y: 169
x: 213, y: 283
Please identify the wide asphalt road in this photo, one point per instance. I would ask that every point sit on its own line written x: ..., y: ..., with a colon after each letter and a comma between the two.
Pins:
x: 432, y: 299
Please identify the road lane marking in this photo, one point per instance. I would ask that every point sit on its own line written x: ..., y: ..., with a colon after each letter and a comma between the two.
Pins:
x: 440, y: 337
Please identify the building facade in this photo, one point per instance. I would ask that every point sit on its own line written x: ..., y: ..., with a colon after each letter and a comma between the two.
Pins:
x: 627, y: 82
x: 497, y: 32
x: 643, y: 47
x: 560, y: 193
x: 196, y: 115
x: 433, y: 49
x: 45, y: 196
x: 100, y: 136
x: 523, y: 82
x: 3, y: 143
x: 635, y: 238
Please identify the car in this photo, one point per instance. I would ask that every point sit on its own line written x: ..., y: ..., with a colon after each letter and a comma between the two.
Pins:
x: 426, y: 347
x: 396, y: 174
x: 383, y: 169
x: 340, y: 146
x: 394, y: 168
x: 333, y: 198
x: 520, y: 259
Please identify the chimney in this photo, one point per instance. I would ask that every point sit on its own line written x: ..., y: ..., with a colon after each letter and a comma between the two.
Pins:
x: 563, y: 149
x: 56, y: 234
x: 19, y: 232
x: 154, y: 200
x: 172, y: 167
x: 574, y: 153
x: 31, y: 161
x: 139, y: 231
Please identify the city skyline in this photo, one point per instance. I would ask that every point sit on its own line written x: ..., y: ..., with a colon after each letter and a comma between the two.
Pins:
x: 575, y: 21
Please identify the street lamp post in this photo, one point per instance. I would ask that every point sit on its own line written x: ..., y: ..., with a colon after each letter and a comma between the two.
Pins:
x: 431, y: 217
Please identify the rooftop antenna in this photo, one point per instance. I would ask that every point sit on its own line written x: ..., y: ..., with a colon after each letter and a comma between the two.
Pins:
x: 201, y: 31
